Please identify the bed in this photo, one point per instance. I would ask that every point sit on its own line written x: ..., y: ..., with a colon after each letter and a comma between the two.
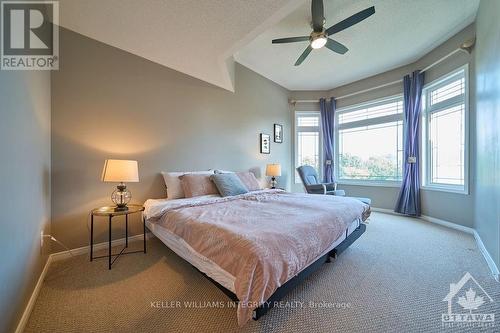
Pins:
x: 258, y: 245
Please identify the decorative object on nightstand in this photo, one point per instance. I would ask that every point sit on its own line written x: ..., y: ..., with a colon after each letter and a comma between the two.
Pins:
x: 120, y: 171
x: 273, y: 171
x: 111, y: 212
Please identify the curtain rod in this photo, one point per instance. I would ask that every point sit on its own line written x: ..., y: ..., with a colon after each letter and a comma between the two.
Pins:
x: 293, y: 101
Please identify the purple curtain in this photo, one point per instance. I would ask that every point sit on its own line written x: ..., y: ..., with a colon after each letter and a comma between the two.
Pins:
x: 409, y: 196
x: 327, y: 124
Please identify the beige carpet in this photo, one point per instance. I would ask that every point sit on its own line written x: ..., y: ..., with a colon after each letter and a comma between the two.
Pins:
x: 393, y: 279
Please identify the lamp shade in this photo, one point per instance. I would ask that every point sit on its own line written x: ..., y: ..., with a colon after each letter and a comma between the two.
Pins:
x: 273, y: 170
x: 118, y: 171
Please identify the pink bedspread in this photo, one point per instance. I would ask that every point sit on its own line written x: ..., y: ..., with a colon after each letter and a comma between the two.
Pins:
x: 262, y: 238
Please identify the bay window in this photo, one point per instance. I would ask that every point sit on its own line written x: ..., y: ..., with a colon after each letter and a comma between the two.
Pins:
x: 369, y: 138
x: 369, y: 142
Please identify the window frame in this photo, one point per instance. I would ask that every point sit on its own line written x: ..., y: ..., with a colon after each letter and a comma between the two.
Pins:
x: 296, y: 131
x: 366, y: 122
x: 426, y: 167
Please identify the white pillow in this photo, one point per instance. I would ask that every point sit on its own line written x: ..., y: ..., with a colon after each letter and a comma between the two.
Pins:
x: 173, y: 183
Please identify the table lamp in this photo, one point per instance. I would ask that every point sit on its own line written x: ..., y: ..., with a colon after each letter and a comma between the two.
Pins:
x: 120, y: 171
x: 273, y: 171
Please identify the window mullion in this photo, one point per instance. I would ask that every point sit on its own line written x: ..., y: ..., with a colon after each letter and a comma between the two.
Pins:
x: 372, y: 121
x: 308, y: 129
x: 449, y: 103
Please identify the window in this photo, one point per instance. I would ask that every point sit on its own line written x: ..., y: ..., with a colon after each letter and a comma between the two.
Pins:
x: 370, y: 142
x: 445, y: 133
x: 307, y: 141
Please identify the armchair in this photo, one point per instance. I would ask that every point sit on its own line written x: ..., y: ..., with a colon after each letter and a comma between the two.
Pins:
x: 312, y: 184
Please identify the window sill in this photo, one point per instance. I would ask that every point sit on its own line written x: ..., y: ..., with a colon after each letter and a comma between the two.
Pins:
x: 369, y: 183
x: 444, y: 189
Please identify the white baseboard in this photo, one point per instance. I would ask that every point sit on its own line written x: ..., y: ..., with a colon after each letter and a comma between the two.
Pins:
x: 448, y: 224
x: 489, y: 260
x: 491, y: 264
x: 60, y: 256
x: 100, y: 246
x: 384, y: 210
x: 34, y: 295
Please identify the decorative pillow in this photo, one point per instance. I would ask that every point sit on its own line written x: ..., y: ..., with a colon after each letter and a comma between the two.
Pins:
x: 217, y: 171
x: 195, y: 185
x: 249, y: 180
x: 228, y: 184
x: 173, y: 183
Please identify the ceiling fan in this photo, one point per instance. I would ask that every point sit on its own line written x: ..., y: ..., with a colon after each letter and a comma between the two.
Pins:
x: 319, y: 37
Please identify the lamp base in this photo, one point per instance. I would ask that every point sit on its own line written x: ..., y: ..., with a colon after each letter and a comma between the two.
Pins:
x: 121, y: 208
x: 121, y: 197
x: 273, y: 183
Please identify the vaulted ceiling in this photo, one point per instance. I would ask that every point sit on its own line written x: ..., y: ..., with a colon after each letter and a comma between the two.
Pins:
x: 200, y: 37
x: 196, y: 37
x: 400, y: 32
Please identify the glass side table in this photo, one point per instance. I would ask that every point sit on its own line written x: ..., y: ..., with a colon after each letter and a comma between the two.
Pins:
x: 109, y: 211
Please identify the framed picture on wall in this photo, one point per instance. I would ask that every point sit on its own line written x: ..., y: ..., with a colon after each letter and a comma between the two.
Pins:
x: 278, y: 133
x: 265, y: 143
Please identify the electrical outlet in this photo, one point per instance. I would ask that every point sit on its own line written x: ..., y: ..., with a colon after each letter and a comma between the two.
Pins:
x: 41, y: 239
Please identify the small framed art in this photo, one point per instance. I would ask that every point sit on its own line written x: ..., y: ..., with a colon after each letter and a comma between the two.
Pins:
x: 265, y: 143
x: 278, y: 133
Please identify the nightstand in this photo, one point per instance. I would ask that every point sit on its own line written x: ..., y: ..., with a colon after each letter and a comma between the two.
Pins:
x: 109, y: 211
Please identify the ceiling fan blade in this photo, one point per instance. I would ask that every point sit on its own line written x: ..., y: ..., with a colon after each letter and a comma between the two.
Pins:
x: 304, y: 55
x: 290, y: 40
x: 336, y: 46
x: 351, y: 20
x: 318, y: 15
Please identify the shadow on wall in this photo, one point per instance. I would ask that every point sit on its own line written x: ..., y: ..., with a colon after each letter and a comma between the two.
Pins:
x: 256, y: 171
x: 77, y: 187
x: 114, y: 140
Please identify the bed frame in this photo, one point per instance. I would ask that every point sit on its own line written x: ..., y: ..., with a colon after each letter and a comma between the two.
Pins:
x: 292, y: 283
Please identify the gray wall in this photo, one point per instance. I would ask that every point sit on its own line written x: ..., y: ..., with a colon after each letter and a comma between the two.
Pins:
x: 25, y: 187
x: 487, y: 186
x: 457, y: 208
x: 107, y: 103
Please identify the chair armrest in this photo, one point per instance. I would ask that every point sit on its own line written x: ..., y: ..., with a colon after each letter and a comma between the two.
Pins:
x: 316, y: 189
x: 338, y: 193
x: 330, y: 186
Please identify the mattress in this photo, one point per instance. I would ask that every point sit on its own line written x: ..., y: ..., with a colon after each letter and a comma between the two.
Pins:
x: 205, y: 265
x: 255, y: 242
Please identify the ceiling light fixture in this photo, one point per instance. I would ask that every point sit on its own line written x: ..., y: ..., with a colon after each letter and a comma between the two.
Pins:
x: 318, y: 42
x: 320, y: 36
x: 318, y: 39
